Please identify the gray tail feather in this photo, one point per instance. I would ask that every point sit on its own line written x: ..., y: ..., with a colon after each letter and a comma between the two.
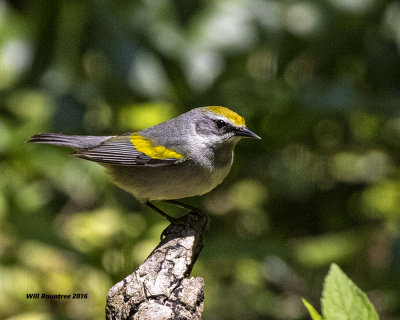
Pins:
x: 76, y: 142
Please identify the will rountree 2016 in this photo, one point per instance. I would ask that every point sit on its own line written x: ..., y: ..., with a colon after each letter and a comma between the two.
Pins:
x: 57, y: 296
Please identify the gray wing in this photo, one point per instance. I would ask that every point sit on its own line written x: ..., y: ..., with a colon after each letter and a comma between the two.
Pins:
x: 120, y: 151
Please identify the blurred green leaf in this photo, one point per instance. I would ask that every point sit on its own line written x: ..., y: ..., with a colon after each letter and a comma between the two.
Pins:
x: 321, y: 250
x: 382, y: 199
x: 144, y: 115
x: 32, y: 316
x: 87, y: 231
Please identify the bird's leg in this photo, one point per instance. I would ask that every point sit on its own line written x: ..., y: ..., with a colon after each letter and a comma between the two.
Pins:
x: 185, y: 206
x: 159, y: 211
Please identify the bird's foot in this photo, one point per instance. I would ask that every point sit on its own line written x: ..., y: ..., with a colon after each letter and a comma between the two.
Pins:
x: 162, y: 213
x: 192, y: 209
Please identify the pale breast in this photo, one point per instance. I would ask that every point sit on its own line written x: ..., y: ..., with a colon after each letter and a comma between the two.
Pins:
x: 169, y: 182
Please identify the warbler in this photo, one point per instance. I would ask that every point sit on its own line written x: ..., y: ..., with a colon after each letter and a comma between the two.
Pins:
x: 183, y: 157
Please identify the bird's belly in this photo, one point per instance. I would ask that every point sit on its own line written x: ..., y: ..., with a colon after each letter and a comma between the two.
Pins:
x: 169, y: 182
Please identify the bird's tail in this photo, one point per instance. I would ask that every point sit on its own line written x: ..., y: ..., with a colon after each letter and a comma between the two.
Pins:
x: 76, y: 142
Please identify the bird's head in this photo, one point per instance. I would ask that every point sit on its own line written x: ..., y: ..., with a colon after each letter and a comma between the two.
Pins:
x: 220, y: 125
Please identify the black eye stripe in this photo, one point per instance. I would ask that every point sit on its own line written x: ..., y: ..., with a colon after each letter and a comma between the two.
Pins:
x: 221, y: 123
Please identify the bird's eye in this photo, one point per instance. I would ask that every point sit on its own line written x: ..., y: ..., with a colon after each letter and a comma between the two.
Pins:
x: 221, y: 123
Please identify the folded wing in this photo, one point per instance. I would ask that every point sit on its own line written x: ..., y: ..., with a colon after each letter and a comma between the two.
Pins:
x: 121, y: 150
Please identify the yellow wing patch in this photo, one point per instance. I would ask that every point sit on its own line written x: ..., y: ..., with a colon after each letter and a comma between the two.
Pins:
x: 229, y: 114
x: 148, y: 148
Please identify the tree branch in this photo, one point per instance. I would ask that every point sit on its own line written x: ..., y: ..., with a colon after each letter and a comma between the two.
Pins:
x: 160, y: 287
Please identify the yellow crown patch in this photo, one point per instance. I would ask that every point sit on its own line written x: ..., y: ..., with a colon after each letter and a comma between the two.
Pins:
x: 229, y: 114
x: 148, y: 148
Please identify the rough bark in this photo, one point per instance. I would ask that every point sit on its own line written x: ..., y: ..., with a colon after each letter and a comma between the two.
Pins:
x: 160, y: 289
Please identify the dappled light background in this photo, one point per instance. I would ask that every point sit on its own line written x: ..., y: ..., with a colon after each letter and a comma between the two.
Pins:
x: 319, y: 81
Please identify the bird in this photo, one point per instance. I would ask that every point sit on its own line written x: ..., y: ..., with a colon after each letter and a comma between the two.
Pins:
x: 182, y: 157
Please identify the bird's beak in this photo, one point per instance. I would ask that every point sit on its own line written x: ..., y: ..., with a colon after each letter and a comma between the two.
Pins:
x: 244, y: 132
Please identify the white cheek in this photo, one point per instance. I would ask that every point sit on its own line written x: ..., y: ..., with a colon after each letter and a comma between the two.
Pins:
x: 209, y: 140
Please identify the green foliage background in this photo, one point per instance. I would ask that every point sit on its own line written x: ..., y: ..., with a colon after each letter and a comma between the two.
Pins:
x: 318, y: 80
